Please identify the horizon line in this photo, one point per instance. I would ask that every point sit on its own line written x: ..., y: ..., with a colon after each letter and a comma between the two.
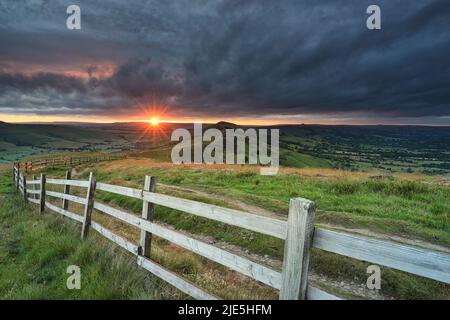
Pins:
x: 231, y: 122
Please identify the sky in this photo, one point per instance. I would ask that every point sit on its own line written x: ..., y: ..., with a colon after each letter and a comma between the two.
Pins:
x: 252, y: 61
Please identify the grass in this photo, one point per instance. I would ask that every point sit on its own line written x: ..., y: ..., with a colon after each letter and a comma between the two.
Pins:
x: 35, y: 251
x: 107, y: 273
x: 403, y: 206
x: 374, y: 200
x: 290, y: 158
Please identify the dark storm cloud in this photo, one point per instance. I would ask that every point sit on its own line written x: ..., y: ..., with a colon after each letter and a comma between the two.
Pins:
x: 41, y: 81
x: 227, y: 58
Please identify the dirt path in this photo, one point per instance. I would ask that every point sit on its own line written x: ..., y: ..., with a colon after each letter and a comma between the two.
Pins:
x: 235, y: 202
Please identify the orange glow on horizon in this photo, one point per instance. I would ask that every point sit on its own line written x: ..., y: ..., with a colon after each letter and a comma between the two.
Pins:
x: 161, y: 119
x: 153, y: 121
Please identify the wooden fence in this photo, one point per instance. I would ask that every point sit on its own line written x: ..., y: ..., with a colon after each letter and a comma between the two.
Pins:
x: 298, y: 232
x: 29, y: 166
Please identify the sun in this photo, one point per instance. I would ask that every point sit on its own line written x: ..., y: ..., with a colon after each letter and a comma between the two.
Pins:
x: 154, y: 122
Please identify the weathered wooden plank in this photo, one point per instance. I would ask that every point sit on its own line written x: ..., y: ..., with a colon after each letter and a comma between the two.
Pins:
x: 33, y: 191
x: 42, y: 195
x: 89, y: 205
x: 273, y: 227
x: 425, y: 263
x: 131, y: 219
x: 115, y: 238
x: 35, y: 188
x: 124, y: 191
x: 65, y: 202
x: 297, y: 249
x: 174, y: 280
x: 64, y: 212
x: 14, y: 172
x: 17, y: 179
x: 34, y: 182
x: 316, y: 294
x: 35, y: 201
x: 68, y: 197
x: 230, y: 260
x: 74, y: 183
x: 265, y: 225
x: 25, y: 198
x: 148, y: 211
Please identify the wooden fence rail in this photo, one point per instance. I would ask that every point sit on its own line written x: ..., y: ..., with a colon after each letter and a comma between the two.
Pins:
x: 32, y: 165
x: 298, y: 232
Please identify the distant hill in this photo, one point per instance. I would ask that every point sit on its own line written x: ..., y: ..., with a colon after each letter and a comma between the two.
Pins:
x: 226, y: 125
x: 387, y: 148
x: 23, y: 140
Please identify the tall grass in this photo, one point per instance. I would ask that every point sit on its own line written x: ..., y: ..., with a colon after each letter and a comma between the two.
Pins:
x: 35, y: 251
x: 405, y: 207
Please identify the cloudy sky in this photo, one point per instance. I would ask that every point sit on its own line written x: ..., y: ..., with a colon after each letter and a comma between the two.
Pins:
x: 247, y: 61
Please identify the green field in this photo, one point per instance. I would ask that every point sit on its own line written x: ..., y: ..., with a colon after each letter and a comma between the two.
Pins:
x: 410, y: 207
x: 19, y: 141
x: 367, y: 199
x: 359, y: 148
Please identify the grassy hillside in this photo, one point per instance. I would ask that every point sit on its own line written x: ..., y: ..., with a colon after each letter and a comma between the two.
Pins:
x: 387, y: 148
x: 412, y: 208
x: 35, y: 251
x: 18, y: 141
x: 361, y: 148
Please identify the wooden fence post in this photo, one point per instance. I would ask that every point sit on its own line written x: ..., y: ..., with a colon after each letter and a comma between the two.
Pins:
x: 294, y: 279
x: 25, y: 198
x: 65, y: 203
x: 14, y: 172
x: 42, y: 200
x: 89, y: 205
x: 148, y: 211
x: 35, y: 196
x: 18, y: 179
